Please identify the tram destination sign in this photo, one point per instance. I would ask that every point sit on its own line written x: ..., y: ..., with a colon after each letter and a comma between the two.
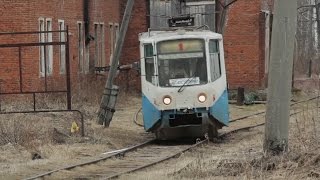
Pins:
x: 181, y: 21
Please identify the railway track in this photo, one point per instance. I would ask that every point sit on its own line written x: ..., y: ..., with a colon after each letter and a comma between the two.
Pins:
x: 130, y: 159
x: 136, y: 157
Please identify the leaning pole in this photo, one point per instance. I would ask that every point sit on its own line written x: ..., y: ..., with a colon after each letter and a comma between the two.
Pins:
x: 110, y: 92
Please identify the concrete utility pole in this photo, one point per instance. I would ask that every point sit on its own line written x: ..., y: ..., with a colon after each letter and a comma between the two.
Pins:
x: 280, y: 74
x: 109, y: 97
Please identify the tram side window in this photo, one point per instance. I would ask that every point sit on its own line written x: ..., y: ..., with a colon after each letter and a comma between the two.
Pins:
x: 215, y: 65
x: 149, y: 62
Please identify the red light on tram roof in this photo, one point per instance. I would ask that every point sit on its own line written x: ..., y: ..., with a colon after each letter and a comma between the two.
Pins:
x: 181, y: 46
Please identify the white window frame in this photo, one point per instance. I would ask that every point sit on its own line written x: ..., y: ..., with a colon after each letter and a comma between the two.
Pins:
x: 116, y: 31
x: 96, y: 29
x: 103, y: 44
x: 111, y: 32
x: 62, y: 48
x: 42, y: 27
x: 49, y: 38
x: 99, y: 32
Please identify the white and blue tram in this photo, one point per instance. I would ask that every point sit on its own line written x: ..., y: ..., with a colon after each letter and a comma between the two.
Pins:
x: 184, y: 87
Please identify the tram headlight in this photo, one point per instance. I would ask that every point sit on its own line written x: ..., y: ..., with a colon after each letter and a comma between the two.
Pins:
x: 202, y: 97
x: 167, y: 100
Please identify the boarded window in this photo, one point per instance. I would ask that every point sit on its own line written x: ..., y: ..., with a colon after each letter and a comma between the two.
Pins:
x: 49, y: 47
x: 41, y: 48
x: 99, y: 43
x: 62, y: 48
x: 80, y: 47
x: 202, y: 11
x: 45, y: 51
x: 114, y: 31
x: 111, y: 32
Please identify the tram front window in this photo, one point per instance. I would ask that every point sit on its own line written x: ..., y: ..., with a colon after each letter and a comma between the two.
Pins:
x: 182, y: 62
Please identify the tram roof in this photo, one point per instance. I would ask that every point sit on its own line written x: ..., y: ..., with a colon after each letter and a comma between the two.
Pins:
x: 174, y: 34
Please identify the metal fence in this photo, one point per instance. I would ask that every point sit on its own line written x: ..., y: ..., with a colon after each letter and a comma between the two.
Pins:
x: 22, y: 91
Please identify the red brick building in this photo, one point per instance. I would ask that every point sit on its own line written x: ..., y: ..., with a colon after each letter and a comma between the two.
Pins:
x: 244, y: 40
x: 246, y: 33
x: 102, y: 16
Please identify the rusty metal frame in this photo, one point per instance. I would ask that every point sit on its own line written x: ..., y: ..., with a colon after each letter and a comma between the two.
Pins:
x: 46, y: 91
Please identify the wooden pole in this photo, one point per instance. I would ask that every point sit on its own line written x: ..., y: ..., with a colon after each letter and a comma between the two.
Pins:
x: 108, y: 99
x: 280, y: 75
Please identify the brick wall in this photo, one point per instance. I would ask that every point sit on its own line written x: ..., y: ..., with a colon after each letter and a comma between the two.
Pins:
x: 242, y: 45
x: 131, y: 52
x: 243, y: 41
x: 17, y: 15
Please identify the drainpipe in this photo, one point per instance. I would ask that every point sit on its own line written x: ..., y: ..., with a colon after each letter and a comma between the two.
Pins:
x: 148, y: 13
x: 86, y: 20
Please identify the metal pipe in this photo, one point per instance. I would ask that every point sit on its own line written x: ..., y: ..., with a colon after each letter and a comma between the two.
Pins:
x: 68, y: 72
x: 28, y: 32
x: 29, y: 92
x: 45, y: 68
x: 86, y: 19
x: 31, y: 44
x: 20, y: 70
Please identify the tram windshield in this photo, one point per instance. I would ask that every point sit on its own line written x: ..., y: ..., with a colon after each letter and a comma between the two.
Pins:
x: 182, y: 62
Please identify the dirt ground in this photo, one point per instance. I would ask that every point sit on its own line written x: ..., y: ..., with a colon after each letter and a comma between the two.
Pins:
x: 34, y: 143
x: 240, y: 156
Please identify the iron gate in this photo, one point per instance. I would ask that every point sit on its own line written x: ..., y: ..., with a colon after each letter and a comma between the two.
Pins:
x: 22, y: 91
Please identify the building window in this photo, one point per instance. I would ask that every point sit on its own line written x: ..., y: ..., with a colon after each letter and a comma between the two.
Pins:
x: 45, y: 51
x: 62, y: 48
x: 80, y: 46
x: 99, y: 43
x: 41, y: 48
x: 111, y: 32
x: 215, y: 66
x: 49, y: 49
x: 114, y: 31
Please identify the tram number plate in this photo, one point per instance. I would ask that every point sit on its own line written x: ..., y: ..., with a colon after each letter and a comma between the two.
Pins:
x: 183, y: 81
x: 181, y: 21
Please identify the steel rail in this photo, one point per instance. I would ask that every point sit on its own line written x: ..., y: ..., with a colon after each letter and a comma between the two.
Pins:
x: 91, y: 161
x: 221, y: 136
x: 262, y: 112
x: 134, y: 148
x: 159, y: 161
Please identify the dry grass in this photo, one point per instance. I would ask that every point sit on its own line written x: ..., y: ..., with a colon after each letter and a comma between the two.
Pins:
x: 48, y: 134
x: 301, y: 161
x: 241, y: 156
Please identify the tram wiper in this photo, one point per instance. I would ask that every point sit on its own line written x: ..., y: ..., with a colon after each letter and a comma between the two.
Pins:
x: 186, y: 83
